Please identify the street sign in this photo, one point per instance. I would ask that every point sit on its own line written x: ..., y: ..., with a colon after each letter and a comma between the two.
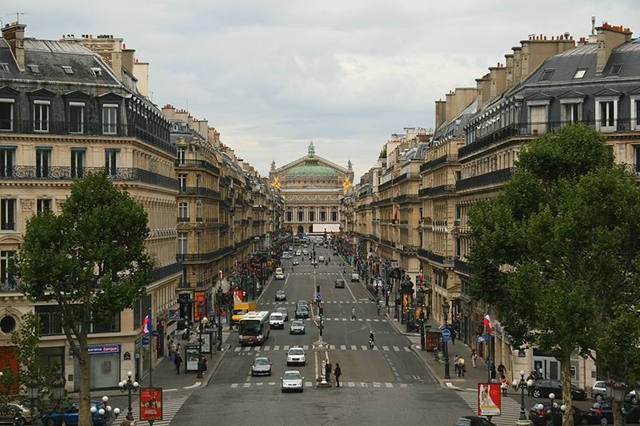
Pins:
x: 446, y: 334
x: 155, y: 332
x: 145, y: 340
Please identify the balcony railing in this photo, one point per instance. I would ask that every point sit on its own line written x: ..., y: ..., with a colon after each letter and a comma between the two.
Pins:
x: 437, y: 190
x: 166, y: 271
x: 92, y: 128
x: 200, y: 191
x: 431, y: 164
x: 462, y: 266
x: 196, y: 164
x: 486, y: 179
x: 205, y: 257
x: 67, y: 173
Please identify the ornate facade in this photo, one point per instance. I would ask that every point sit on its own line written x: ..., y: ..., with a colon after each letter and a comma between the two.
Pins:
x: 311, y: 187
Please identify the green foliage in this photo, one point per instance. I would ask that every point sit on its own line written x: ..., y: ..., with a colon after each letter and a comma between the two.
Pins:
x: 383, y: 152
x: 557, y: 252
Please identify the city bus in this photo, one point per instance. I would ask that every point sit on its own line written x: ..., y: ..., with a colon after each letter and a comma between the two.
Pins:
x: 253, y: 328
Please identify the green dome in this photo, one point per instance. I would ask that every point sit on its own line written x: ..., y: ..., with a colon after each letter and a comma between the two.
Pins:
x: 311, y: 169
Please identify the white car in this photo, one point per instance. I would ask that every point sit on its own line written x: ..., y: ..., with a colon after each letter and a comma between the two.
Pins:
x: 296, y: 355
x: 276, y: 320
x: 292, y: 381
x: 279, y: 274
x: 298, y: 253
x: 355, y: 277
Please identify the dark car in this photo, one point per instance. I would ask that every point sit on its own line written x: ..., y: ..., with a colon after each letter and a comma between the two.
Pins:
x: 543, y: 387
x: 261, y: 366
x: 15, y: 414
x: 302, y: 312
x: 473, y: 421
x: 602, y: 414
x: 340, y: 283
x: 281, y: 295
x: 541, y: 414
x: 68, y: 416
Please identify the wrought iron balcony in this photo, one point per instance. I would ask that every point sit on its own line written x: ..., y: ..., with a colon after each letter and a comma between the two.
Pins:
x: 486, y: 179
x: 199, y: 191
x: 437, y: 191
x: 196, y: 164
x: 462, y: 267
x: 432, y: 164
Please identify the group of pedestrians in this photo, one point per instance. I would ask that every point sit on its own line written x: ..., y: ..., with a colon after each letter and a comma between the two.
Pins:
x: 174, y: 354
x: 458, y: 365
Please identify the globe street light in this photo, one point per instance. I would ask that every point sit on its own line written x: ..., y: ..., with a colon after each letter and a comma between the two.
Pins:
x: 521, y: 385
x: 129, y: 386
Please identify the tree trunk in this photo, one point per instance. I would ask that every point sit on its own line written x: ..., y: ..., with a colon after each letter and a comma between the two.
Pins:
x: 84, y: 415
x: 565, y: 365
x: 617, y: 414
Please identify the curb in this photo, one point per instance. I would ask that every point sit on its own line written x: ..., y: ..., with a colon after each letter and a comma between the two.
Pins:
x: 212, y: 371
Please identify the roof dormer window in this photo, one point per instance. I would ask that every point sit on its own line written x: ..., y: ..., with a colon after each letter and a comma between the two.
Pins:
x: 67, y: 69
x: 580, y: 72
x: 4, y: 67
x: 34, y: 68
x: 547, y: 74
x: 615, y: 69
x: 97, y: 72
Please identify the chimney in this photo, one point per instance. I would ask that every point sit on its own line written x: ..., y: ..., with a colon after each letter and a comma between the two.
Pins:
x: 536, y: 50
x: 608, y: 37
x: 441, y: 112
x: 14, y: 35
x: 127, y: 58
x: 484, y: 92
x: 498, y: 76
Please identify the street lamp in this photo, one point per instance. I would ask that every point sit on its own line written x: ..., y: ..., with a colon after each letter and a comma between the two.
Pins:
x: 33, y: 393
x: 554, y: 405
x: 129, y: 386
x: 521, y: 385
x: 105, y: 410
x: 445, y: 309
x: 203, y: 323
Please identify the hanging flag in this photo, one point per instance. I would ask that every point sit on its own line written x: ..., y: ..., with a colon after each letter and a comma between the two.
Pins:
x: 146, y: 324
x: 487, y: 323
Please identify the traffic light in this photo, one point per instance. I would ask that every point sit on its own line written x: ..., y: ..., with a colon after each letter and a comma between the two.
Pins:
x: 321, y: 311
x: 317, y: 289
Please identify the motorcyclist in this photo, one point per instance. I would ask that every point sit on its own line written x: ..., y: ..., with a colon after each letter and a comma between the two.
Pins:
x: 353, y: 313
x: 372, y: 339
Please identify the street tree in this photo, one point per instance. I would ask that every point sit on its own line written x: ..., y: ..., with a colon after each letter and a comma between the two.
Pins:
x: 556, y: 252
x: 90, y: 259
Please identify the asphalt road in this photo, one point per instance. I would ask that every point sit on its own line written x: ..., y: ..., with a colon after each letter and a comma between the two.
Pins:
x: 384, y: 385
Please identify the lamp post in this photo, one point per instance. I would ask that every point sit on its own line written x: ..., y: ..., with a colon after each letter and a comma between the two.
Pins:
x: 445, y: 309
x: 129, y: 386
x: 33, y: 393
x: 521, y: 385
x: 554, y: 405
x: 105, y: 410
x: 203, y: 323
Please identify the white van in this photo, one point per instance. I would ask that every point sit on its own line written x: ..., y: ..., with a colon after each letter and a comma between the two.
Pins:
x: 276, y: 320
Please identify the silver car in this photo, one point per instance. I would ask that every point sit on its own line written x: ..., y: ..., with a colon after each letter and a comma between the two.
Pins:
x: 284, y: 312
x: 292, y: 381
x: 261, y: 366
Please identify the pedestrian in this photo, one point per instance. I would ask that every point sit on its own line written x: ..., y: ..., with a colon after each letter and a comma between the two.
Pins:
x: 453, y: 336
x: 177, y: 362
x: 474, y: 357
x: 503, y: 385
x: 461, y: 367
x: 502, y: 370
x: 455, y: 364
x: 492, y: 370
x: 337, y: 373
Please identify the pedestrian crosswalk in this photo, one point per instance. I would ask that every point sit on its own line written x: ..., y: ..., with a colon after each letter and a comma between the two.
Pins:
x: 170, y: 407
x: 308, y: 384
x: 248, y: 350
x: 339, y: 302
x: 510, y: 411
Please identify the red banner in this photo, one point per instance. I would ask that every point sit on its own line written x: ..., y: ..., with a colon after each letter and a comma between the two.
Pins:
x: 151, y: 404
x: 489, y: 399
x: 201, y: 306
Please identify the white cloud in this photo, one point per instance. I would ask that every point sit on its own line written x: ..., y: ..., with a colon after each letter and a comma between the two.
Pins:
x: 272, y: 75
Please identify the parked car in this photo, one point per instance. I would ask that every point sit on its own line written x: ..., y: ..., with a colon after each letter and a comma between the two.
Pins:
x: 321, y: 259
x: 599, y: 388
x: 68, y: 416
x: 302, y: 312
x: 261, y: 366
x: 541, y: 414
x: 297, y: 327
x: 473, y: 421
x: 543, y: 387
x: 15, y: 414
x: 296, y: 355
x: 281, y: 295
x: 292, y: 380
x: 355, y: 277
x: 295, y: 262
x: 285, y: 313
x: 339, y: 283
x: 276, y: 320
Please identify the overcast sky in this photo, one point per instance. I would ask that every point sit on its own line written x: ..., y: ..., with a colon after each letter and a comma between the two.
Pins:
x: 273, y: 75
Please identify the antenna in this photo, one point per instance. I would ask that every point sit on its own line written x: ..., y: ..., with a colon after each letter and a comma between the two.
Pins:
x: 17, y: 16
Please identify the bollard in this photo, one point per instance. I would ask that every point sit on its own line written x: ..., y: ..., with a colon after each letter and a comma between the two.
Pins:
x: 322, y: 375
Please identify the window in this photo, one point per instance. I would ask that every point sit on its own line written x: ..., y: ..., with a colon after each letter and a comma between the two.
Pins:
x: 198, y: 235
x: 183, y: 210
x: 312, y: 216
x: 97, y: 72
x: 109, y: 119
x: 43, y: 204
x: 547, y: 74
x: 4, y: 67
x: 181, y: 155
x: 8, y: 214
x: 77, y: 163
x: 289, y: 216
x: 41, y: 116
x: 580, y: 72
x: 7, y: 156
x: 109, y: 325
x: 35, y: 69
x: 182, y: 243
x: 111, y: 161
x: 182, y: 182
x: 76, y: 117
x: 323, y: 216
x: 50, y: 319
x: 6, y: 114
x: 615, y: 69
x: 199, y: 211
x: 300, y: 215
x: 538, y: 117
x: 6, y: 278
x: 43, y: 161
x: 606, y: 114
x: 67, y: 69
x: 334, y: 216
x: 635, y: 112
x: 571, y: 112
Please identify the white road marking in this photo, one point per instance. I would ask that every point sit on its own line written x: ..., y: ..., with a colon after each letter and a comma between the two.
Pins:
x: 397, y: 349
x: 195, y: 385
x: 343, y: 347
x: 354, y: 347
x: 234, y: 385
x: 385, y: 348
